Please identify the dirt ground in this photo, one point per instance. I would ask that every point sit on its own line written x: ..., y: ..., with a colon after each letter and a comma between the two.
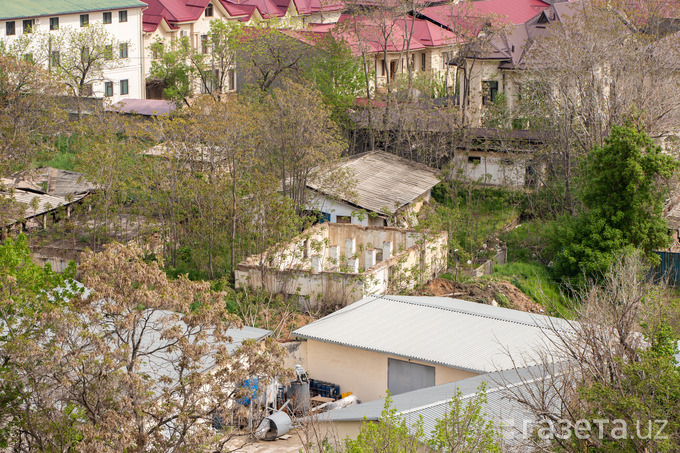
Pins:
x: 290, y: 445
x: 503, y: 293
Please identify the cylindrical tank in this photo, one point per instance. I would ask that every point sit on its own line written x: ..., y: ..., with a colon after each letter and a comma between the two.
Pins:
x: 298, y: 393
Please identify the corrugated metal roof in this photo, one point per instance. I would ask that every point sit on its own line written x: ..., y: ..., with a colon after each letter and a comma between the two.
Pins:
x: 14, y: 9
x: 450, y: 332
x: 433, y: 402
x: 385, y: 182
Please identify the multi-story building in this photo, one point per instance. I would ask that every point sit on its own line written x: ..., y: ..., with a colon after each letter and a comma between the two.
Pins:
x: 121, y: 19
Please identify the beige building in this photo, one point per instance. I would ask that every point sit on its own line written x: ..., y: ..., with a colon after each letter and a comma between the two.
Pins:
x: 335, y: 264
x: 406, y: 343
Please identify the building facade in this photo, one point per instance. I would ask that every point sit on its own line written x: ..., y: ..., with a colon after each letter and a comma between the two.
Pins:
x: 120, y: 19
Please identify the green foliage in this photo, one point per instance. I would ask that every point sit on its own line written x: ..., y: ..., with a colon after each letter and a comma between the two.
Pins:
x: 173, y: 69
x: 465, y: 427
x: 469, y: 215
x: 391, y: 434
x: 622, y: 199
x: 27, y: 292
x: 646, y: 396
x: 530, y: 242
x: 338, y: 76
x: 537, y: 282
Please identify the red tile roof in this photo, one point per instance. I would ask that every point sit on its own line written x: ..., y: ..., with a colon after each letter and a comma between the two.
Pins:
x: 501, y: 11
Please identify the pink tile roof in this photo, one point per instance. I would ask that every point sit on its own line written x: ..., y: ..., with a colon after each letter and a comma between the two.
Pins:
x: 501, y: 11
x: 425, y: 34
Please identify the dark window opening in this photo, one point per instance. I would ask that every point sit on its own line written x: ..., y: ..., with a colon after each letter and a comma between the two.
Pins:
x: 28, y: 26
x: 54, y: 23
x: 108, y: 89
x: 423, y: 62
x: 106, y: 18
x: 124, y: 88
x: 475, y: 159
x: 84, y: 20
x: 343, y: 219
x: 10, y: 28
x: 209, y: 10
x: 122, y: 16
x: 489, y: 91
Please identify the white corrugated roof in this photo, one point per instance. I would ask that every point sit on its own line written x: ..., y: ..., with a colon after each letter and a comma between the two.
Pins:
x: 384, y: 182
x: 440, y: 330
x: 432, y: 403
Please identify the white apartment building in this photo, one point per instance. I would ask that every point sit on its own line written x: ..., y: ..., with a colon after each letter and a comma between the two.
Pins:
x: 122, y: 19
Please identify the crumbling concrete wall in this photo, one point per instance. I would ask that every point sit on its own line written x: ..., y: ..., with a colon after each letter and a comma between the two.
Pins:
x: 336, y: 264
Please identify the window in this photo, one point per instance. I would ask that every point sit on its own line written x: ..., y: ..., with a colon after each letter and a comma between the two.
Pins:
x: 84, y: 20
x: 489, y: 91
x: 54, y: 58
x: 54, y: 23
x: 157, y: 49
x: 106, y: 18
x: 381, y: 63
x: 204, y: 43
x: 10, y: 28
x: 108, y: 52
x: 28, y: 58
x: 231, y: 75
x: 210, y: 84
x: 122, y: 16
x: 209, y: 10
x: 474, y: 159
x: 343, y: 219
x: 108, y: 89
x: 28, y: 26
x: 124, y: 89
x: 123, y: 48
x: 423, y: 62
x: 85, y: 54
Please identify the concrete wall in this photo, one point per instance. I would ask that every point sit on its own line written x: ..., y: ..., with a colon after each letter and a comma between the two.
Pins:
x: 129, y: 69
x: 497, y: 169
x: 317, y: 267
x: 362, y: 372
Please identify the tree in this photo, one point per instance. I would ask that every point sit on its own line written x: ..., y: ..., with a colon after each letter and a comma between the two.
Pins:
x: 338, y: 76
x: 28, y: 112
x: 28, y: 294
x: 390, y: 434
x: 623, y: 195
x: 465, y: 427
x: 140, y: 364
x: 595, y: 65
x: 215, y: 64
x: 300, y: 140
x: 613, y: 362
x: 173, y: 69
x: 79, y: 57
x: 267, y: 55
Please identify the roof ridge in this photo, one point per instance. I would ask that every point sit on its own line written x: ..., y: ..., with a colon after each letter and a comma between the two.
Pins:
x: 467, y: 312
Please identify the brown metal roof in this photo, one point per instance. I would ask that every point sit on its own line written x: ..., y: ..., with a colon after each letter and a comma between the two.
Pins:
x: 384, y: 182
